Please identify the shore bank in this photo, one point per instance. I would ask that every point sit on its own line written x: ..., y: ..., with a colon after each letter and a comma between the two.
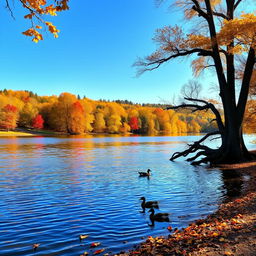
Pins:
x: 14, y: 134
x: 231, y: 231
x: 28, y: 132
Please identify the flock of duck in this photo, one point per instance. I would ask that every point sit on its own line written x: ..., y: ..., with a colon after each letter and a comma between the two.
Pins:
x: 160, y: 217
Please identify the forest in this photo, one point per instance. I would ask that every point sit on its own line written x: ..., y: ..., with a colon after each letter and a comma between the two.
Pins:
x: 72, y: 114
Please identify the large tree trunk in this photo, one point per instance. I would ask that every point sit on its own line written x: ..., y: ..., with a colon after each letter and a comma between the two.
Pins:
x: 232, y: 149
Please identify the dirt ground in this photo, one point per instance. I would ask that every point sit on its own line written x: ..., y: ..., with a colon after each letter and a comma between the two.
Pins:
x: 231, y: 231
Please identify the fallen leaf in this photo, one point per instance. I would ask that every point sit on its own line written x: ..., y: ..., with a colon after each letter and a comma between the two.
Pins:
x: 95, y: 244
x: 98, y: 251
x: 81, y: 237
x: 170, y: 228
x: 35, y: 246
x: 215, y: 234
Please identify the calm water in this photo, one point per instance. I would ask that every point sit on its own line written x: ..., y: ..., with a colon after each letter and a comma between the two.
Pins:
x: 54, y: 189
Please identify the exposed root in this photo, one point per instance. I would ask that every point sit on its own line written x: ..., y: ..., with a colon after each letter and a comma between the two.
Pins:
x: 205, y: 151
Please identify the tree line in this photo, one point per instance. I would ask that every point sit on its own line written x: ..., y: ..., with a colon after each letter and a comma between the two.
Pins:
x: 68, y: 113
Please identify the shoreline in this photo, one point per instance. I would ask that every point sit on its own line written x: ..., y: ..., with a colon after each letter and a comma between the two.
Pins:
x: 29, y: 133
x: 230, y: 231
x: 19, y: 132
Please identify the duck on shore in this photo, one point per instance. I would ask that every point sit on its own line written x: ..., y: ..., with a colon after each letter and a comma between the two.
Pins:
x: 148, y: 204
x: 145, y: 174
x: 160, y: 217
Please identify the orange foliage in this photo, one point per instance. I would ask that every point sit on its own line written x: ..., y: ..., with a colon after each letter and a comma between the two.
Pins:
x: 68, y: 114
x: 37, y: 10
x: 8, y: 117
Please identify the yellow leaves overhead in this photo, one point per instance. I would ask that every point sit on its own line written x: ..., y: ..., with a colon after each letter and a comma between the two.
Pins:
x: 37, y: 10
x: 33, y: 33
x: 198, y: 65
x: 243, y: 29
x: 198, y: 41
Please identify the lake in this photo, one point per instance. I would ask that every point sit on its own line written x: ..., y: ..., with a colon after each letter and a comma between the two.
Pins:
x: 54, y: 189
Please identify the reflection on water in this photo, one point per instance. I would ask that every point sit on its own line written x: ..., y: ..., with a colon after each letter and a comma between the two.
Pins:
x: 233, y: 183
x: 54, y: 189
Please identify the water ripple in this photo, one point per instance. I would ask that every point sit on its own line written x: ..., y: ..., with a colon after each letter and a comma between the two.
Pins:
x: 54, y: 189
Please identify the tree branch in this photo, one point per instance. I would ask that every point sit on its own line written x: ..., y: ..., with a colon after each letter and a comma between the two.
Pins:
x: 245, y: 84
x: 206, y: 105
x: 9, y: 9
x: 215, y: 46
x: 219, y: 14
x: 176, y: 54
x: 237, y: 3
x: 199, y: 10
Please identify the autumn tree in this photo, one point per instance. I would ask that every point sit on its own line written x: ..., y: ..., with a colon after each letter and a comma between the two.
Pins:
x: 114, y: 114
x: 99, y: 124
x: 38, y: 122
x: 163, y: 120
x: 27, y: 114
x: 147, y: 120
x: 134, y: 123
x: 36, y: 12
x: 225, y: 32
x: 60, y: 117
x: 88, y: 114
x: 76, y: 120
x: 8, y: 117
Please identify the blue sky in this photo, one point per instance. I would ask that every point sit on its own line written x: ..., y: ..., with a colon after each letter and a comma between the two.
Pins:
x: 93, y: 56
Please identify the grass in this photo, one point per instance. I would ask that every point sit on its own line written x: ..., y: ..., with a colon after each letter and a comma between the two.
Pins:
x: 15, y: 133
x: 27, y: 132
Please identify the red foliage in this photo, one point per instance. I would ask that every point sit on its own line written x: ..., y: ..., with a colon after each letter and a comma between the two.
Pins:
x: 78, y: 107
x: 8, y: 117
x: 158, y: 111
x: 10, y: 108
x: 38, y: 122
x: 134, y: 123
x: 26, y: 99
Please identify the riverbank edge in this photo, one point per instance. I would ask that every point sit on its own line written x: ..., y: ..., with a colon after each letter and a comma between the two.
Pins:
x: 230, y: 231
x: 19, y: 132
x: 29, y: 132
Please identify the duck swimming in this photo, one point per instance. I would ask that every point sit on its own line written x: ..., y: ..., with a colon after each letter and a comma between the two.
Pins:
x: 145, y: 174
x: 160, y: 217
x: 148, y: 204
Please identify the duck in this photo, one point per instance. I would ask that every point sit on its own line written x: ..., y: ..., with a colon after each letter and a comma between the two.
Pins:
x: 35, y: 246
x: 81, y: 237
x: 148, y: 204
x: 160, y: 217
x: 145, y: 174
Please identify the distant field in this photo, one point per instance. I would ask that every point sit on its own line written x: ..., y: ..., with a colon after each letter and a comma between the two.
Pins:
x: 14, y: 133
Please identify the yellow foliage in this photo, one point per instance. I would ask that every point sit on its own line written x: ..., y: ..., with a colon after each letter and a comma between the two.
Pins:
x: 68, y: 114
x: 99, y: 124
x: 39, y: 8
x: 242, y: 28
x: 114, y: 123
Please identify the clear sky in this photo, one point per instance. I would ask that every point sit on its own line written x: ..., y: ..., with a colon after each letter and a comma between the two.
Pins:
x: 93, y: 56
